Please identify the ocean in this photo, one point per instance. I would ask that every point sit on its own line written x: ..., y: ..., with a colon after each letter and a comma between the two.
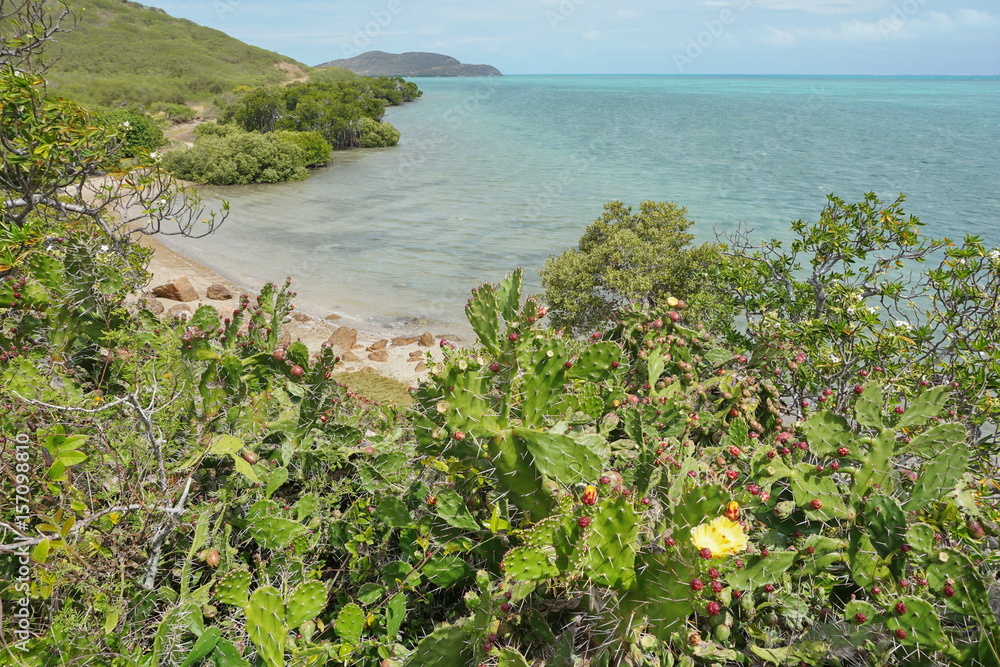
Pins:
x: 496, y: 173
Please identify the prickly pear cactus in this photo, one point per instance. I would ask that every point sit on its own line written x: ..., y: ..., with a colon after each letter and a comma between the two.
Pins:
x: 273, y: 532
x: 350, y: 623
x: 265, y: 619
x: 305, y: 603
x: 234, y: 588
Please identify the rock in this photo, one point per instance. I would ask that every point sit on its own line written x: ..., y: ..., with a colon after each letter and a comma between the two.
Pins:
x: 350, y: 356
x: 379, y: 355
x: 426, y: 339
x: 218, y: 292
x: 343, y: 337
x: 402, y: 341
x: 332, y: 317
x: 181, y: 309
x: 378, y: 345
x: 154, y: 306
x: 416, y: 355
x: 178, y: 289
x: 420, y: 368
x: 300, y: 317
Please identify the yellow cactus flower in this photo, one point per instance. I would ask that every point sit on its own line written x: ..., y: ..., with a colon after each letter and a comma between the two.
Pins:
x: 721, y: 536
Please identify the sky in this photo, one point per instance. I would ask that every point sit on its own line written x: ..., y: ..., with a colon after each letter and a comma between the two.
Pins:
x: 879, y: 37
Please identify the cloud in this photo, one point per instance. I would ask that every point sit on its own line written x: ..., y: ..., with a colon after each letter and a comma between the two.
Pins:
x: 899, y: 24
x: 822, y: 6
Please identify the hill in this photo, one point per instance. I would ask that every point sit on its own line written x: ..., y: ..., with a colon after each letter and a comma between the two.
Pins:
x: 125, y: 51
x: 410, y: 64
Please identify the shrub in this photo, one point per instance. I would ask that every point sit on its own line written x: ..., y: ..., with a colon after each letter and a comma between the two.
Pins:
x: 626, y: 258
x: 137, y: 133
x: 238, y: 158
x: 315, y: 148
x: 374, y: 134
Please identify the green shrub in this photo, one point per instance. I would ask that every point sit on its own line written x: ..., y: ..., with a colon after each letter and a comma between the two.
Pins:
x: 175, y: 113
x: 374, y: 134
x: 137, y: 133
x: 317, y: 151
x: 628, y: 258
x: 239, y: 158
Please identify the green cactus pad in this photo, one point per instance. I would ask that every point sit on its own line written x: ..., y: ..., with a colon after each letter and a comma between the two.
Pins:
x: 950, y: 567
x: 234, y: 588
x: 610, y: 559
x: 563, y: 458
x: 827, y: 432
x: 759, y: 571
x: 661, y: 593
x: 265, y: 620
x: 940, y: 475
x: 809, y: 485
x: 305, y: 603
x: 869, y: 407
x: 887, y: 522
x: 529, y: 564
x: 920, y: 623
x: 923, y: 407
x: 273, y: 532
x: 447, y: 646
x: 545, y: 378
x: 936, y: 439
x: 594, y: 363
x: 451, y: 507
x: 350, y: 623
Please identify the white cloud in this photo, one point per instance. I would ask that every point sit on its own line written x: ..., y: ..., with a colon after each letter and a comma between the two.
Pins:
x: 822, y: 6
x: 896, y: 25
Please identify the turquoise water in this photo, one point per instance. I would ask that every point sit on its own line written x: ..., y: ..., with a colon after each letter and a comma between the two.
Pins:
x: 497, y: 173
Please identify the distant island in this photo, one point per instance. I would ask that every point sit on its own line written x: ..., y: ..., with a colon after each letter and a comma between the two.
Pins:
x: 410, y: 64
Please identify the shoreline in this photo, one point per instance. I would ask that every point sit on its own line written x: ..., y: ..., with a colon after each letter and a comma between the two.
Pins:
x: 404, y: 357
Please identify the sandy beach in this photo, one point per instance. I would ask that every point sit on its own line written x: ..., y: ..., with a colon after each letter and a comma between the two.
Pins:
x: 402, y: 357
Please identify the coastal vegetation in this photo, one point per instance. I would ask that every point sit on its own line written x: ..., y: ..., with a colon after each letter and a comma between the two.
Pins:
x: 812, y: 483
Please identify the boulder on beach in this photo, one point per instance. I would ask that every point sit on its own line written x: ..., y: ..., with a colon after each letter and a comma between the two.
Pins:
x: 178, y: 289
x: 426, y: 339
x: 349, y: 357
x: 180, y: 310
x: 333, y: 317
x: 218, y: 292
x: 299, y: 316
x: 403, y: 341
x: 343, y: 337
x: 420, y: 368
x: 153, y: 305
x: 379, y: 355
x: 378, y: 345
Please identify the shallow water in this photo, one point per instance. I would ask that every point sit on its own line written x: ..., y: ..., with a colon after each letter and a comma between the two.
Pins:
x: 496, y: 173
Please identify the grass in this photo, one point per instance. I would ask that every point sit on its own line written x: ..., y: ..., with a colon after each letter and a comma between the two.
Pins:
x: 377, y: 388
x: 126, y: 52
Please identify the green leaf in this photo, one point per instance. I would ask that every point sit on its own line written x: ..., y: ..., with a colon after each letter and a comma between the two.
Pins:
x: 451, y: 507
x: 275, y: 480
x: 446, y: 571
x: 205, y: 645
x: 225, y: 444
x: 511, y: 658
x: 245, y: 468
x: 395, y: 612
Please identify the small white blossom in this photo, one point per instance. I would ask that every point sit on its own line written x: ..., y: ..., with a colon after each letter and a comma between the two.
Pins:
x: 105, y: 248
x: 835, y: 359
x: 873, y: 310
x: 154, y: 155
x: 903, y: 324
x: 126, y: 124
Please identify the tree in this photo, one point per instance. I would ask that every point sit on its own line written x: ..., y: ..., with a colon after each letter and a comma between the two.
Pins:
x: 625, y: 258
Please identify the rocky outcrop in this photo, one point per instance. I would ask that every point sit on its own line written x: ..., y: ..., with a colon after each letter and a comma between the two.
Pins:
x: 178, y: 289
x: 218, y: 292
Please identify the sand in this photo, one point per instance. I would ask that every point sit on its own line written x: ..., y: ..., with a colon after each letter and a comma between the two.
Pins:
x: 403, y: 361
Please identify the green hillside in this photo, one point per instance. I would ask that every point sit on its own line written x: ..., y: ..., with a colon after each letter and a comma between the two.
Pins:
x: 126, y: 51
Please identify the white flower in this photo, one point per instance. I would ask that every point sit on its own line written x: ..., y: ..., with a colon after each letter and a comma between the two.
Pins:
x: 154, y: 155
x: 126, y: 124
x: 105, y: 248
x: 903, y: 324
x: 835, y: 359
x: 873, y: 310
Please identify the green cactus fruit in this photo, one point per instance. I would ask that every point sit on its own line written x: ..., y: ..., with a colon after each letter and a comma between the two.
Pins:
x: 529, y: 564
x: 447, y: 646
x: 234, y: 588
x: 265, y: 621
x: 920, y: 625
x: 610, y: 559
x: 273, y: 532
x: 940, y: 475
x: 350, y: 623
x: 923, y: 407
x: 305, y: 603
x: 566, y: 459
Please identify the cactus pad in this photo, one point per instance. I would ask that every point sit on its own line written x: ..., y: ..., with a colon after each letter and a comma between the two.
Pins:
x: 305, y: 603
x: 350, y: 623
x: 266, y: 625
x: 273, y: 532
x: 234, y: 588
